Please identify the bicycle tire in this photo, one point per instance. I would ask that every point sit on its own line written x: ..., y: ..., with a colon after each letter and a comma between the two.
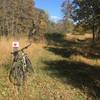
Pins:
x: 29, y: 67
x: 17, y: 75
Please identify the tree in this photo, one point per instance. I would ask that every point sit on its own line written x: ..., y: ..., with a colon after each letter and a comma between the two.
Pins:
x: 87, y: 13
x: 67, y: 12
x: 16, y: 16
x: 21, y: 17
x: 41, y: 23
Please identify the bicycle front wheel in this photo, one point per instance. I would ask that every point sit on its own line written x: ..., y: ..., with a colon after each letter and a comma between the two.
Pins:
x: 17, y: 75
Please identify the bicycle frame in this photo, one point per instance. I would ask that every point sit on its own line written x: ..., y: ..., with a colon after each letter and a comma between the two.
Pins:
x: 21, y: 67
x: 16, y: 54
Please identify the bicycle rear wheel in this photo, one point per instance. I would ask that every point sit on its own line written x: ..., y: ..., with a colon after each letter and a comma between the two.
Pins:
x: 29, y: 67
x: 17, y: 75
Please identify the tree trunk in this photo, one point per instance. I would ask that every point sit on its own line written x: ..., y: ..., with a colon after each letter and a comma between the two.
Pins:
x: 93, y: 33
x: 93, y: 27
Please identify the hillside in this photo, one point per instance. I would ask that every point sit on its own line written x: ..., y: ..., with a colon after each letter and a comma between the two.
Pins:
x: 59, y: 74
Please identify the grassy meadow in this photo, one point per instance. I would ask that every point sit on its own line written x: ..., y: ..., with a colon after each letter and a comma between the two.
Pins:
x: 61, y: 71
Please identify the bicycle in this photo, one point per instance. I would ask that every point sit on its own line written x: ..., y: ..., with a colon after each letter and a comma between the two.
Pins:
x: 21, y: 67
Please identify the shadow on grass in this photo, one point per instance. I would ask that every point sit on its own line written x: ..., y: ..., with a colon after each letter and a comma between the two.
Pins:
x: 64, y: 52
x: 68, y: 51
x: 57, y: 39
x: 79, y: 75
x: 85, y: 49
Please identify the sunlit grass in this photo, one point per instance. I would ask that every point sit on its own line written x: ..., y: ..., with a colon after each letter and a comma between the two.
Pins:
x: 80, y: 58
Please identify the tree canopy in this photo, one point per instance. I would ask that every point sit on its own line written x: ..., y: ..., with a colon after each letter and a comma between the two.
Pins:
x: 18, y: 16
x: 87, y: 13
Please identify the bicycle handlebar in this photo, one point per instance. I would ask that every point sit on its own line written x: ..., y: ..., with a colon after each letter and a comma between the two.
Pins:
x: 21, y: 49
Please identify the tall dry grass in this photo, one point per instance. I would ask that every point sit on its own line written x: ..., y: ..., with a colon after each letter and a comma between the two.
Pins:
x: 6, y: 48
x: 34, y: 52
